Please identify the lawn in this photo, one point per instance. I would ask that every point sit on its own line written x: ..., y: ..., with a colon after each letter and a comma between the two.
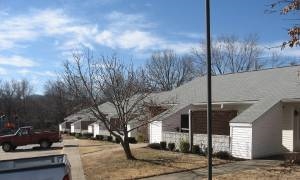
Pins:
x: 268, y: 173
x: 103, y: 160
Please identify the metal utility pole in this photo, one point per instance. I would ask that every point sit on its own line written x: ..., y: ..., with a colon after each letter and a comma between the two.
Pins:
x: 209, y: 109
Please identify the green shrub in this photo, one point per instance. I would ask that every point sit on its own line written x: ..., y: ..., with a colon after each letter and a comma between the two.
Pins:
x: 78, y: 135
x: 109, y: 138
x: 132, y: 140
x: 89, y: 135
x: 100, y: 137
x: 117, y: 140
x: 195, y: 149
x: 72, y: 134
x: 184, y: 146
x: 171, y: 146
x: 223, y: 155
x: 140, y: 138
x: 163, y: 145
x: 154, y: 145
x: 206, y: 151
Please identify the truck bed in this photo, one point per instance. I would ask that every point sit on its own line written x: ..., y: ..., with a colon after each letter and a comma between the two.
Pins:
x: 38, y: 168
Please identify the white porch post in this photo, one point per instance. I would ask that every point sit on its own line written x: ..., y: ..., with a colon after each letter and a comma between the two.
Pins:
x: 109, y: 124
x: 190, y: 130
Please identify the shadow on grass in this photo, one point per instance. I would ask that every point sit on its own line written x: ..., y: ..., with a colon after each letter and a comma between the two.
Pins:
x: 173, y: 163
x: 167, y: 162
x: 70, y: 145
x: 96, y: 145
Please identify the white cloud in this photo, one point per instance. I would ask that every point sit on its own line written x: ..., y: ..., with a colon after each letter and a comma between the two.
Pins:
x: 20, y: 29
x: 138, y: 40
x: 17, y: 61
x: 191, y: 35
x: 124, y: 31
x: 180, y: 47
x: 128, y: 21
x: 106, y: 37
x: 3, y: 71
x: 133, y: 31
x: 36, y: 73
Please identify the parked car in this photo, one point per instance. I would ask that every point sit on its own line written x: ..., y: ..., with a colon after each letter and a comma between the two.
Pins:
x: 56, y: 167
x: 26, y: 135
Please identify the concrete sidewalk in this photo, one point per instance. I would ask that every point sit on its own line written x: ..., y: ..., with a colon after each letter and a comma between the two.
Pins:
x: 218, y: 170
x: 72, y: 151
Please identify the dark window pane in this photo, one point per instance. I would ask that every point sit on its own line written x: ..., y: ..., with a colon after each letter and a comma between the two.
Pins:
x: 185, y: 121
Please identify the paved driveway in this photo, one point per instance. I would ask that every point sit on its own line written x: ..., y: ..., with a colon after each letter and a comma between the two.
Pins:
x: 31, y: 151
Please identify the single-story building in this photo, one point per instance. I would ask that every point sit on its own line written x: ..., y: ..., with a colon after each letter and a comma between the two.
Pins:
x: 66, y: 125
x: 255, y: 114
x: 98, y: 127
x: 81, y: 126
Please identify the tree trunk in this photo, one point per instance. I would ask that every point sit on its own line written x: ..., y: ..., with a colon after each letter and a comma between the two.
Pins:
x: 127, y: 149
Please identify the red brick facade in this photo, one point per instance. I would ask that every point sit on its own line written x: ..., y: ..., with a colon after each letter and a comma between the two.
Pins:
x: 220, y: 122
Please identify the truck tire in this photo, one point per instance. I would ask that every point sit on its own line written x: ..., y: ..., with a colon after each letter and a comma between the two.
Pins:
x: 44, y: 144
x: 6, y: 147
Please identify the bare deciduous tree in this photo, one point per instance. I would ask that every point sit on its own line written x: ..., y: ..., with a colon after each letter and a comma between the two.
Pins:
x: 167, y: 70
x: 107, y: 79
x: 13, y: 98
x: 231, y: 55
x: 287, y: 7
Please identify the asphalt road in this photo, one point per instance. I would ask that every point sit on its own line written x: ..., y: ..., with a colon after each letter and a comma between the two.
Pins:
x: 31, y: 151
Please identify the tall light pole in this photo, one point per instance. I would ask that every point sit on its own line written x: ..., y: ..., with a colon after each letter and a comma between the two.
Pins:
x: 209, y: 110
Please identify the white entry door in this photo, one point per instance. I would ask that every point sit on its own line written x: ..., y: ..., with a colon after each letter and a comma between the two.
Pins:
x: 72, y: 128
x: 155, y: 131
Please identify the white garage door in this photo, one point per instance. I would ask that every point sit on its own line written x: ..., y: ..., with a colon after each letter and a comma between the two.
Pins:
x: 91, y: 129
x: 155, y: 132
x: 241, y: 142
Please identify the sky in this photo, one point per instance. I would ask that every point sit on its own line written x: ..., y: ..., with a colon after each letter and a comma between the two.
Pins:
x: 37, y: 36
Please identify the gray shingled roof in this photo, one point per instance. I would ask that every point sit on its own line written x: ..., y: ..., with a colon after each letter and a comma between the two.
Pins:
x: 253, y: 85
x: 267, y: 87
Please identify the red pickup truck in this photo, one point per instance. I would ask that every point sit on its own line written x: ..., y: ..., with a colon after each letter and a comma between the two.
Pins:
x: 26, y: 135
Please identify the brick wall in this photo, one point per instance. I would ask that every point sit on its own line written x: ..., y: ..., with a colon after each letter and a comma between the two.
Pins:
x: 220, y: 122
x: 219, y: 142
x: 85, y: 124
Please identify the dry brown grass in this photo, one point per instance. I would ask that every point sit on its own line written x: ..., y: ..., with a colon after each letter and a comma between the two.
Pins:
x: 270, y: 173
x: 110, y: 162
x: 94, y: 146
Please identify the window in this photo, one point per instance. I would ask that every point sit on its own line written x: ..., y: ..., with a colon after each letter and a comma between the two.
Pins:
x: 184, y: 123
x: 23, y: 132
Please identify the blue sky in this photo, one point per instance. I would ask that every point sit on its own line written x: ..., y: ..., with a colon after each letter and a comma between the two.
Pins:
x: 36, y: 36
